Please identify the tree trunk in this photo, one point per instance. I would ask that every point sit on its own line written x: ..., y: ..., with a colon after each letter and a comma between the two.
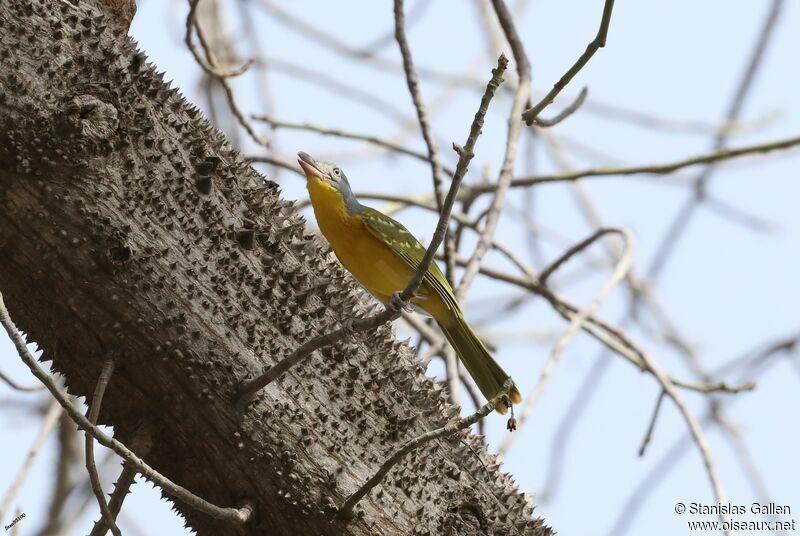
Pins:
x: 129, y: 227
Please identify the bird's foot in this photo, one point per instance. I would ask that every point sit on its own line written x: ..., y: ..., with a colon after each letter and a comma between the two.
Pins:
x: 511, y: 425
x: 399, y: 304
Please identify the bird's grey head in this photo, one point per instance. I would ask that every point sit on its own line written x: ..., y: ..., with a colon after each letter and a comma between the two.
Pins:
x: 332, y: 175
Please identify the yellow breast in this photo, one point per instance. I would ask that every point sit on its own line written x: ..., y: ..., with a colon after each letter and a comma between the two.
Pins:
x: 372, y: 262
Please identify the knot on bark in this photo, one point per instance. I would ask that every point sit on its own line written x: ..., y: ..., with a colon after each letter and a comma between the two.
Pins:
x: 465, y: 518
x: 123, y: 10
x: 89, y: 120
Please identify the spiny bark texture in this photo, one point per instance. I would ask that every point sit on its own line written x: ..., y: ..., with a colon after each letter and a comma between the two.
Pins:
x: 128, y: 225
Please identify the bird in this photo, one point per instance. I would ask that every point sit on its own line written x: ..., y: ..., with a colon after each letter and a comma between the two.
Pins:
x: 383, y: 256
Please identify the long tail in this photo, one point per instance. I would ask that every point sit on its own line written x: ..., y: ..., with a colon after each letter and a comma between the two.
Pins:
x: 488, y: 375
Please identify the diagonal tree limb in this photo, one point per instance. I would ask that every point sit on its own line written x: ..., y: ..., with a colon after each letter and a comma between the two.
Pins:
x: 578, y: 320
x: 530, y: 116
x: 346, y: 510
x: 721, y: 155
x: 48, y: 423
x: 234, y: 515
x: 521, y: 95
x: 94, y: 411
x: 141, y: 443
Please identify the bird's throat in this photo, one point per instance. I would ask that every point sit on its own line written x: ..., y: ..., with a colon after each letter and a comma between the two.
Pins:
x: 335, y: 222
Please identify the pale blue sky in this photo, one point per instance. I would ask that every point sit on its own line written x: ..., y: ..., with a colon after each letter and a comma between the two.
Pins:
x: 728, y: 289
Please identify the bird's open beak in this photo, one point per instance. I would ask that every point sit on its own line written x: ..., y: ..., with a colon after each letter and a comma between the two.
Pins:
x: 309, y: 165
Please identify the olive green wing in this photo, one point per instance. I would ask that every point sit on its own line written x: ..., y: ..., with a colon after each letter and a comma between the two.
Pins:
x: 408, y: 248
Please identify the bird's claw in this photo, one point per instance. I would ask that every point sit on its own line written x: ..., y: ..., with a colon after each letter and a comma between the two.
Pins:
x: 511, y: 425
x: 399, y: 304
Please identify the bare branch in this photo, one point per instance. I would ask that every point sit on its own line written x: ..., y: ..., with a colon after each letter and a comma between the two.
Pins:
x: 17, y: 387
x: 653, y: 169
x: 141, y: 443
x: 340, y: 133
x: 694, y: 428
x: 566, y: 112
x: 209, y: 65
x: 610, y: 336
x: 430, y: 141
x: 649, y: 434
x: 685, y: 213
x: 346, y: 510
x: 521, y: 96
x: 94, y: 412
x: 49, y: 422
x: 531, y: 115
x: 234, y: 515
x: 577, y: 321
x: 422, y: 115
x: 574, y: 250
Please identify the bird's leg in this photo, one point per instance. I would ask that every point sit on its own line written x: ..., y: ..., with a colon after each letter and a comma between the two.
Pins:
x: 512, y: 421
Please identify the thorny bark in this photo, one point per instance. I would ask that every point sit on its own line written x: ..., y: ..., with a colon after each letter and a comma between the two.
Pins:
x: 128, y: 224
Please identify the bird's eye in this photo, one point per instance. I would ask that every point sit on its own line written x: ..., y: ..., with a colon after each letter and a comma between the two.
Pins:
x: 337, y: 172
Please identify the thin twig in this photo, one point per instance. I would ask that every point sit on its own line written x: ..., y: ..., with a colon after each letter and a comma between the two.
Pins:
x: 141, y: 443
x: 94, y: 412
x: 49, y: 422
x: 339, y: 88
x: 652, y: 169
x: 648, y: 436
x: 368, y: 52
x: 610, y: 336
x: 346, y: 510
x: 419, y: 105
x: 209, y: 65
x: 17, y: 387
x: 649, y: 483
x: 326, y: 131
x: 393, y: 310
x: 577, y: 321
x: 276, y: 161
x: 63, y: 481
x: 531, y: 115
x: 572, y: 251
x: 639, y: 289
x: 427, y: 134
x: 234, y: 515
x: 521, y: 96
x: 566, y: 112
x: 683, y: 218
x: 694, y: 428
